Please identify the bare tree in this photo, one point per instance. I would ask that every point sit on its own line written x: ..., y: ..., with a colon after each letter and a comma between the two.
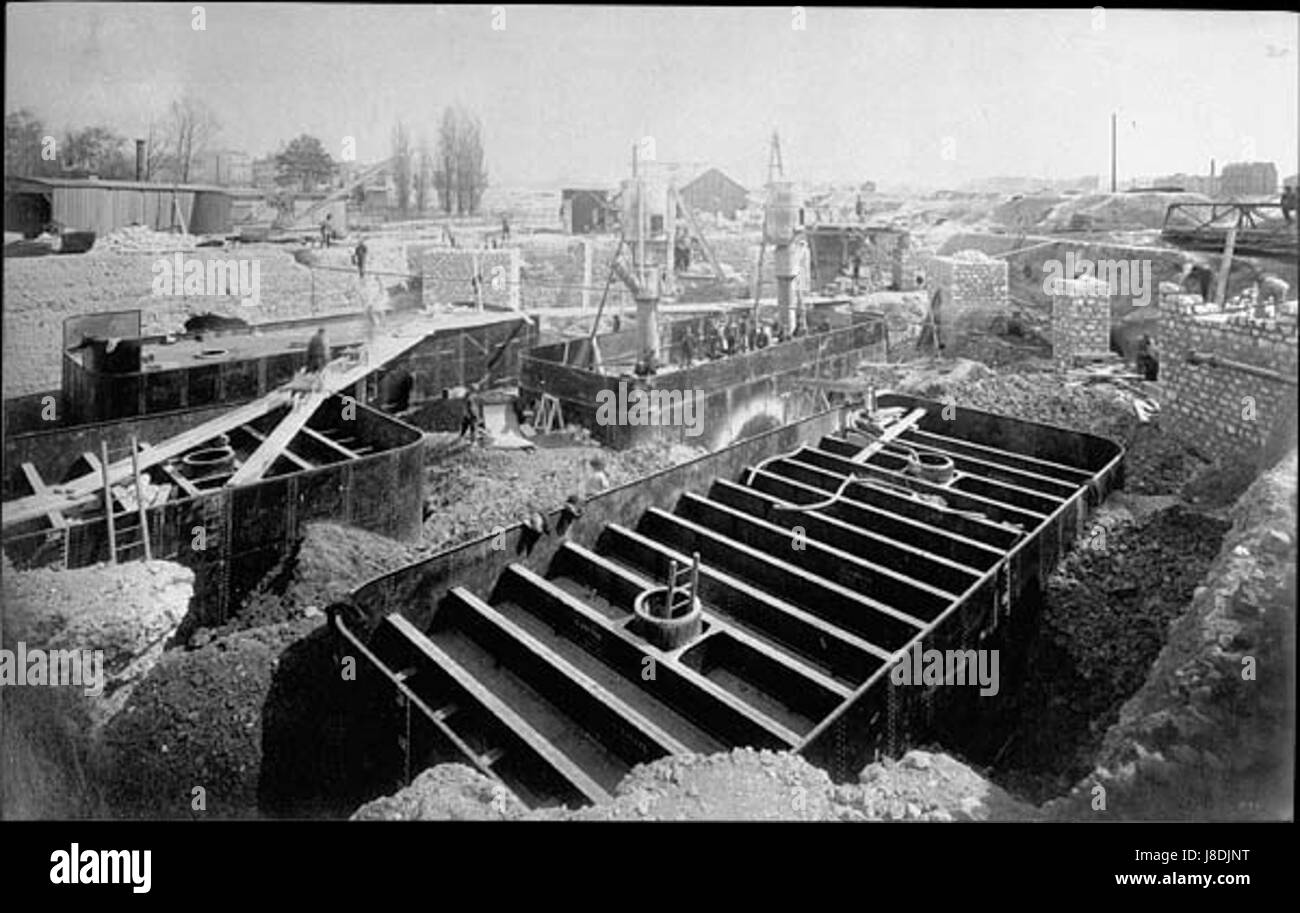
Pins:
x: 446, y: 175
x: 471, y: 177
x: 402, y: 167
x: 191, y: 127
x: 24, y: 142
x: 461, y: 176
x: 423, y: 177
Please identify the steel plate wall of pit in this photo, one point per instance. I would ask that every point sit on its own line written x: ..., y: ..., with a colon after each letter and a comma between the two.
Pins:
x: 56, y: 450
x: 416, y: 590
x: 742, y: 393
x: 230, y: 538
x: 999, y: 612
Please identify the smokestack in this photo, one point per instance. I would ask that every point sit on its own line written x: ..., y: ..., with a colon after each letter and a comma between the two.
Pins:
x: 139, y: 160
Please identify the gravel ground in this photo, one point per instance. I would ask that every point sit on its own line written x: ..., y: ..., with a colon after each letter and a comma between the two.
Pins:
x: 1157, y: 463
x: 471, y: 490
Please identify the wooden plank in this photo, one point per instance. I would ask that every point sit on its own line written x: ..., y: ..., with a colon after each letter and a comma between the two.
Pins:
x: 331, y: 443
x: 271, y: 449
x: 86, y: 489
x: 57, y: 520
x: 888, y: 435
x: 184, y: 484
x: 288, y: 454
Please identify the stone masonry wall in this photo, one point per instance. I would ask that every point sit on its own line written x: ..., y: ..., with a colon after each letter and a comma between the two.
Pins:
x: 446, y: 274
x: 1080, y: 319
x: 1225, y: 412
x: 974, y: 289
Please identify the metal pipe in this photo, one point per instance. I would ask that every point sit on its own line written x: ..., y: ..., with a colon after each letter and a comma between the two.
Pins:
x: 1215, y: 361
x: 672, y: 589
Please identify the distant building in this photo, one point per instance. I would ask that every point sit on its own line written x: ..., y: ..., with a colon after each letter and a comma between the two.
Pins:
x: 103, y: 206
x: 1248, y: 179
x: 584, y: 211
x: 714, y: 192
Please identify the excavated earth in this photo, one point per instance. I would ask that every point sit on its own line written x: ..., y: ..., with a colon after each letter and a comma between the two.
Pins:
x: 244, y: 721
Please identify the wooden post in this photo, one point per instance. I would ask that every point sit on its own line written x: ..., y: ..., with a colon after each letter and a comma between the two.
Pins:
x: 108, y: 502
x: 586, y: 275
x: 139, y: 498
x: 1221, y: 289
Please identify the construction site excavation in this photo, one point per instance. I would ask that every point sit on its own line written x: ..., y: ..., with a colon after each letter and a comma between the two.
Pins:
x: 466, y: 465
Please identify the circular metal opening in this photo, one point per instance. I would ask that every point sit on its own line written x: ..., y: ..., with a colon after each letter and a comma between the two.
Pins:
x: 212, y: 353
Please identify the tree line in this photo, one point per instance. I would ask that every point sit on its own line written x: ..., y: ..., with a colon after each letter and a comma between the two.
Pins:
x: 449, y: 176
x: 174, y: 143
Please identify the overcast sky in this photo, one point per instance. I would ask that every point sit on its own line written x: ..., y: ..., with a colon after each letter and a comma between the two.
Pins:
x: 931, y: 97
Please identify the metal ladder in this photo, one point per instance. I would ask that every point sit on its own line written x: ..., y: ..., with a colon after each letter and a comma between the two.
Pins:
x: 137, y: 536
x: 682, y: 582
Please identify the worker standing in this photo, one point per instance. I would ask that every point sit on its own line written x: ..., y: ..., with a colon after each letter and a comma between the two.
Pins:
x: 359, y: 257
x: 327, y: 230
x: 317, y: 356
x: 1148, y: 362
x: 1271, y: 290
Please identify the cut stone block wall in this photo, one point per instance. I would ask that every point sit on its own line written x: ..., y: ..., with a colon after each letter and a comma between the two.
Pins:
x: 447, y: 274
x: 1080, y: 319
x: 1227, y: 413
x: 974, y: 291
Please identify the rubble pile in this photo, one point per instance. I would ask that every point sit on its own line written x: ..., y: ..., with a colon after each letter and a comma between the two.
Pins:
x: 140, y: 239
x: 741, y: 785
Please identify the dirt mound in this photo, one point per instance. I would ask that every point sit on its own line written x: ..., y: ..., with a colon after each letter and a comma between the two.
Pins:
x: 925, y: 786
x: 1209, y: 734
x: 470, y: 490
x: 199, y: 720
x: 328, y: 562
x: 1116, y: 211
x: 742, y: 785
x: 448, y: 792
x: 135, y: 609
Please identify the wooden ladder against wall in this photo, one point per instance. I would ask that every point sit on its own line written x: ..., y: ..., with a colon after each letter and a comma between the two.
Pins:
x: 134, y: 536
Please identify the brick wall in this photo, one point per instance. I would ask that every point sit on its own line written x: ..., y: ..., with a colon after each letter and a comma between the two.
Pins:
x: 1080, y: 319
x: 1226, y: 413
x: 446, y: 275
x: 974, y: 291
